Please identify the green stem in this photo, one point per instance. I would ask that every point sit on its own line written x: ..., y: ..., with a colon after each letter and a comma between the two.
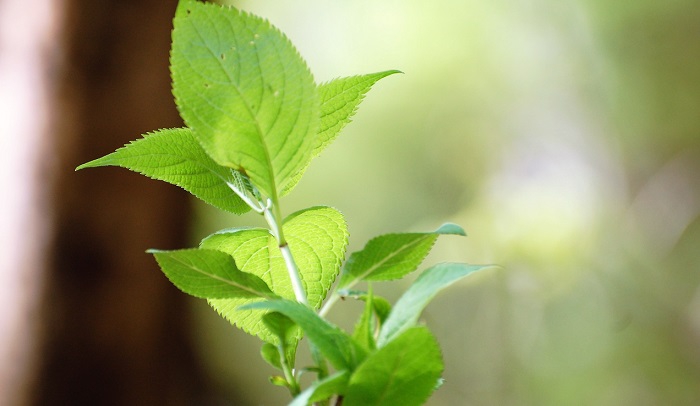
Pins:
x: 271, y: 212
x: 294, y: 388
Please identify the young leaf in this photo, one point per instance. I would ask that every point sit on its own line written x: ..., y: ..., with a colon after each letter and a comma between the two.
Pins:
x: 271, y: 354
x: 391, y: 256
x: 408, y: 308
x: 339, y: 101
x: 336, y: 345
x: 280, y: 325
x: 175, y: 156
x: 403, y: 373
x: 364, y: 329
x: 209, y: 274
x: 323, y: 389
x: 317, y: 237
x: 245, y: 92
x: 381, y: 306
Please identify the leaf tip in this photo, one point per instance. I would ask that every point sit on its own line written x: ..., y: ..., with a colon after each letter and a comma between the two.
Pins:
x: 451, y: 228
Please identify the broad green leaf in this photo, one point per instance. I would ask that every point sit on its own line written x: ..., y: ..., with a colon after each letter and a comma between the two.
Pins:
x: 175, y: 156
x: 408, y: 308
x: 403, y: 373
x: 339, y: 101
x: 391, y: 256
x: 323, y: 389
x: 317, y: 238
x: 243, y: 89
x: 336, y: 345
x: 209, y: 274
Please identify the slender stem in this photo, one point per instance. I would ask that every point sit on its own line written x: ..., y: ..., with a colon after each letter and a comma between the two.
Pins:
x: 329, y: 303
x: 294, y: 274
x: 288, y: 373
x: 271, y: 212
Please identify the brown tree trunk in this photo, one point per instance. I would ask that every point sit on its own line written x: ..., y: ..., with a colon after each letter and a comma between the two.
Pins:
x: 116, y: 329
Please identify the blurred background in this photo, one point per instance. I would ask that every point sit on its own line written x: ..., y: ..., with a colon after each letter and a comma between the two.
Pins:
x: 563, y: 136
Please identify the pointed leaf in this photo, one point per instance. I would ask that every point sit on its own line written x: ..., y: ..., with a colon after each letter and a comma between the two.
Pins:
x: 336, y: 345
x: 408, y: 308
x: 391, y: 256
x: 404, y: 373
x: 175, y: 156
x: 245, y: 92
x: 323, y: 389
x: 339, y: 101
x: 381, y: 306
x: 364, y: 329
x: 209, y: 274
x: 317, y: 237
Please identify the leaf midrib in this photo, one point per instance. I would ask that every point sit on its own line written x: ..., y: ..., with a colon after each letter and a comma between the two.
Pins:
x: 371, y: 269
x: 216, y: 277
x: 248, y: 108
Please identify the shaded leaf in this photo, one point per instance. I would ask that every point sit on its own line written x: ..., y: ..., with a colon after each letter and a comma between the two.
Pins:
x: 403, y: 373
x: 271, y: 354
x: 364, y: 329
x: 323, y: 389
x: 336, y: 345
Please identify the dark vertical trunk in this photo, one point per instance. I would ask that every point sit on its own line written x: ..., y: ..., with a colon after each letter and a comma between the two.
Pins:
x: 116, y: 330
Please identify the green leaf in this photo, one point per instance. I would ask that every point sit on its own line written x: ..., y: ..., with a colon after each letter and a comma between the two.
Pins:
x: 209, y: 274
x: 243, y: 89
x: 175, y: 156
x: 271, y: 354
x: 403, y: 373
x: 382, y: 307
x: 391, y: 256
x: 408, y: 308
x: 317, y: 238
x: 336, y: 345
x: 339, y: 101
x: 280, y: 325
x: 364, y: 329
x: 323, y: 389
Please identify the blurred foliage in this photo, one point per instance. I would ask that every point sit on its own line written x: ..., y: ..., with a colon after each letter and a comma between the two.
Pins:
x: 565, y: 137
